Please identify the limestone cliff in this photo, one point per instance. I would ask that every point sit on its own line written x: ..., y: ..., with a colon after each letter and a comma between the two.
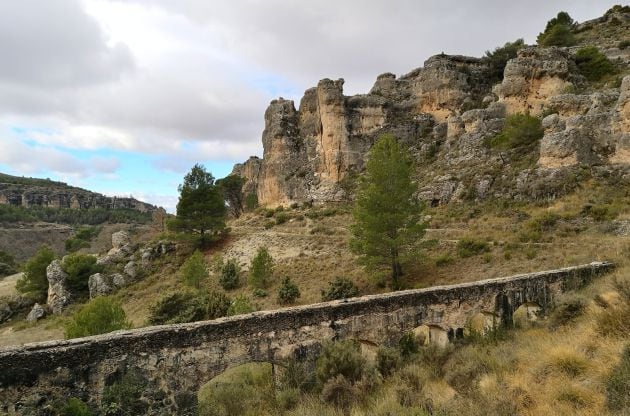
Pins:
x: 30, y: 192
x: 444, y: 112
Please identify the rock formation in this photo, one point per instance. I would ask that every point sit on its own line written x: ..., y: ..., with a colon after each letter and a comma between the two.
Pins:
x: 58, y: 294
x: 30, y: 192
x: 443, y: 112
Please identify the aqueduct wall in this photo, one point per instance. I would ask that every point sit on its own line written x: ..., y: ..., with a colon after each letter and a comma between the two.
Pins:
x: 175, y: 360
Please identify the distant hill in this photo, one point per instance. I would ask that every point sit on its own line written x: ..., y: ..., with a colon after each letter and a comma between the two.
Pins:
x: 25, y: 192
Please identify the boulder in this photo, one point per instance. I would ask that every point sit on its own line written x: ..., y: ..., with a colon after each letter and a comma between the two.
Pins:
x: 131, y: 269
x: 120, y: 239
x: 37, y: 313
x: 58, y: 294
x: 100, y: 285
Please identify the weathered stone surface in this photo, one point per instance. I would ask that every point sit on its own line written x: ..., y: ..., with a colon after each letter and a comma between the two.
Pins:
x: 534, y: 76
x: 58, y: 294
x: 178, y: 359
x: 131, y: 269
x: 99, y: 285
x: 37, y: 313
x: 120, y: 239
x: 11, y: 305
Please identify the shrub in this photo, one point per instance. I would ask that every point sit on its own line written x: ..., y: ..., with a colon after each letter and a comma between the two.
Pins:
x: 75, y: 407
x: 340, y: 358
x: 251, y: 201
x: 618, y: 384
x: 593, y: 64
x: 387, y: 360
x: 99, y: 316
x: 261, y: 268
x: 340, y: 288
x: 124, y: 398
x: 194, y: 270
x: 340, y: 391
x: 444, y: 260
x: 79, y: 268
x: 468, y: 247
x: 288, y: 292
x: 281, y: 217
x: 230, y: 273
x: 7, y: 264
x: 519, y: 130
x: 34, y: 282
x: 544, y: 223
x: 558, y: 31
x: 408, y: 344
x: 465, y: 366
x: 498, y: 58
x: 81, y: 238
x: 260, y: 293
x: 239, y: 306
x: 566, y: 361
x: 615, y: 320
x: 568, y: 308
x: 188, y: 307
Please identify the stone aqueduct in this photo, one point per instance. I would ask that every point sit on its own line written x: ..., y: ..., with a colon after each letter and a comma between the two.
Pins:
x: 175, y: 360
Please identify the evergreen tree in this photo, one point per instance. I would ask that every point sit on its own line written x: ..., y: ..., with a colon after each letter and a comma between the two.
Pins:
x: 201, y: 207
x: 194, y: 271
x: 386, y: 216
x: 558, y: 32
x: 34, y: 281
x: 261, y: 268
x: 232, y: 188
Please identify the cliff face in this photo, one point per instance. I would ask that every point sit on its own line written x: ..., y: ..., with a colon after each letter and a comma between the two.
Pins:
x: 443, y: 112
x: 29, y: 192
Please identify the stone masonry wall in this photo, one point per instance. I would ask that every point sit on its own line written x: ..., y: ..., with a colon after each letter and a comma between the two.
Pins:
x: 175, y: 360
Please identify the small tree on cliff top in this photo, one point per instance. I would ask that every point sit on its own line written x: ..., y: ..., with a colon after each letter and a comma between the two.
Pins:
x: 386, y: 224
x: 201, y: 207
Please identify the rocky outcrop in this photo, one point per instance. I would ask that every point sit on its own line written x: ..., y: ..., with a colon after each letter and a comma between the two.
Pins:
x: 37, y: 313
x: 58, y: 294
x: 101, y: 284
x: 30, y: 192
x: 443, y: 113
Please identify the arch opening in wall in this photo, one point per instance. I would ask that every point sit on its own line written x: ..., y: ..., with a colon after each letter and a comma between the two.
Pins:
x: 527, y: 314
x: 483, y: 323
x: 241, y: 389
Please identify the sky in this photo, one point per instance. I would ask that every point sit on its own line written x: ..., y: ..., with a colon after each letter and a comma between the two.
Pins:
x: 124, y: 97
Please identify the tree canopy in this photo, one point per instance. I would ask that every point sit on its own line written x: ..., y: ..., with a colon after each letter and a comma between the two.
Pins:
x: 558, y: 31
x: 232, y: 188
x: 386, y: 215
x: 201, y: 207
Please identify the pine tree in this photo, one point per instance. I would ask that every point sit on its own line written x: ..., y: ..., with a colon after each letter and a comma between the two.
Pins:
x: 387, y: 223
x: 201, y: 207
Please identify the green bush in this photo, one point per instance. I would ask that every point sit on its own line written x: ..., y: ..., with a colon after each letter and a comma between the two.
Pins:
x: 340, y: 288
x: 79, y: 268
x: 261, y: 269
x: 181, y: 307
x: 593, y: 64
x: 498, y: 58
x: 468, y: 247
x: 99, y: 316
x: 124, y: 398
x: 408, y: 344
x: 34, y: 282
x: 288, y: 292
x: 260, y: 293
x: 519, y: 130
x: 281, y: 217
x: 239, y: 306
x: 388, y: 360
x: 558, y: 32
x: 75, y: 407
x: 81, y: 238
x: 618, y: 385
x: 340, y: 358
x: 194, y: 270
x: 340, y: 391
x: 251, y: 201
x: 444, y: 260
x: 296, y: 375
x: 230, y: 273
x: 7, y: 264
